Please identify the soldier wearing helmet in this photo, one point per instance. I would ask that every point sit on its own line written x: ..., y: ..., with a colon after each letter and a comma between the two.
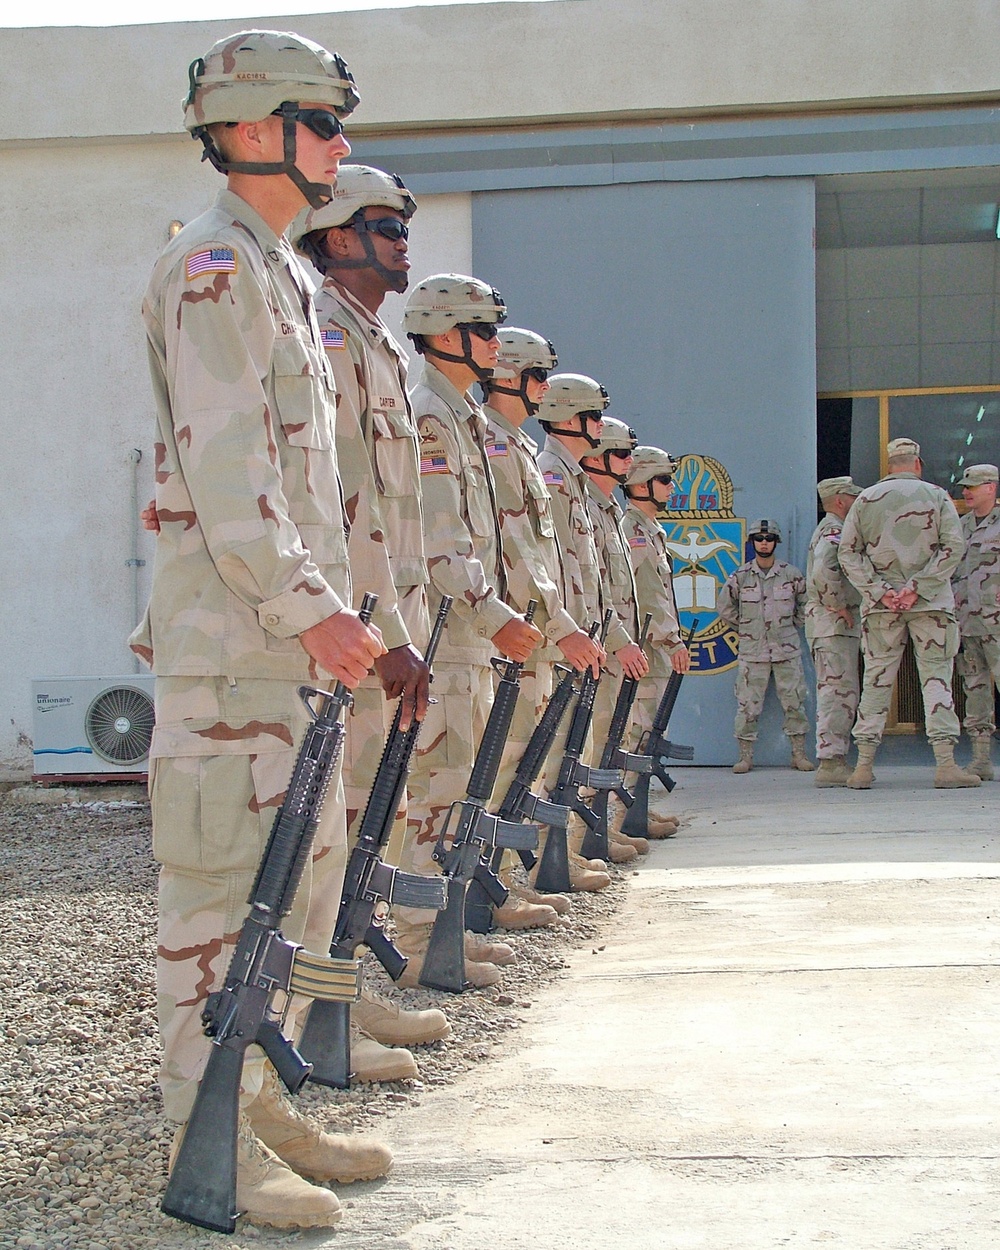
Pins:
x: 606, y: 468
x: 764, y: 600
x: 251, y: 591
x: 571, y: 413
x: 647, y: 489
x: 531, y: 561
x: 359, y: 243
x: 453, y: 321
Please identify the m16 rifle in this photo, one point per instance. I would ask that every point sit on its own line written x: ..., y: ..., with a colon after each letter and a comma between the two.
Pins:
x: 370, y: 886
x: 202, y: 1185
x: 659, y: 749
x: 595, y: 840
x: 477, y: 834
x: 553, y: 871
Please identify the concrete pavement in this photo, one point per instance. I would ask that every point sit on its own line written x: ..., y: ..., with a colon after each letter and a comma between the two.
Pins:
x: 789, y: 1038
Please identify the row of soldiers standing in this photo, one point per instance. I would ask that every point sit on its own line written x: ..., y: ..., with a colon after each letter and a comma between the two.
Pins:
x: 295, y: 472
x: 887, y: 564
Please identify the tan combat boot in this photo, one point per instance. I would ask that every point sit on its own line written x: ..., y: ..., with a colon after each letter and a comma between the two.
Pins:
x: 387, y: 1022
x: 413, y: 943
x: 863, y: 775
x: 745, y: 762
x: 981, y: 764
x: 372, y: 1062
x: 518, y: 913
x: 662, y: 826
x: 584, y: 878
x: 640, y: 845
x: 800, y: 760
x: 620, y: 852
x: 306, y: 1149
x: 617, y: 811
x: 948, y: 775
x: 558, y: 902
x: 483, y: 950
x: 833, y: 772
x: 268, y: 1191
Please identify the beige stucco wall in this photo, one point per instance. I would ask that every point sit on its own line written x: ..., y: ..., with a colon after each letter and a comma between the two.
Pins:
x: 479, y: 64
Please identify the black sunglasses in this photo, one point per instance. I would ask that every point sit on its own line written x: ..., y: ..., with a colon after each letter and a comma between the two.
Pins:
x: 538, y: 373
x: 323, y: 123
x: 388, y: 227
x: 484, y: 330
x: 664, y: 478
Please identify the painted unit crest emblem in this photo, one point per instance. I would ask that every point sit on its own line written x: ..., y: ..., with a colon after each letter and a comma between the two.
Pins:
x: 707, y: 543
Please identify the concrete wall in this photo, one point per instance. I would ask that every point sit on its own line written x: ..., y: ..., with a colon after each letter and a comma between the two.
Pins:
x: 81, y: 228
x: 567, y: 59
x: 694, y: 304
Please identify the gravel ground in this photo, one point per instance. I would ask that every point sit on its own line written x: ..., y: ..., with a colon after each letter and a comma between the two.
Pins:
x: 83, y: 1146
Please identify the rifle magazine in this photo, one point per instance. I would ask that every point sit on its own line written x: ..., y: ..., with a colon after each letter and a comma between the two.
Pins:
x: 330, y: 980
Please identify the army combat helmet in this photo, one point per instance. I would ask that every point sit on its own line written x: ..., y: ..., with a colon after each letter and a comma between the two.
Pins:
x: 573, y: 396
x: 453, y: 301
x: 251, y: 75
x: 357, y: 187
x: 765, y: 529
x: 523, y: 355
x: 648, y: 464
x: 618, y: 437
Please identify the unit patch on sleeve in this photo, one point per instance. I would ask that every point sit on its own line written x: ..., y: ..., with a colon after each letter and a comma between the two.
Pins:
x: 211, y: 260
x: 333, y: 338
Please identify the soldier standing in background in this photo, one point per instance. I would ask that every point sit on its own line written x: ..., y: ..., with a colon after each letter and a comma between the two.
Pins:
x: 358, y: 242
x: 900, y: 544
x: 976, y: 583
x: 764, y: 600
x: 833, y: 632
x: 648, y: 488
x: 251, y: 588
x: 453, y: 321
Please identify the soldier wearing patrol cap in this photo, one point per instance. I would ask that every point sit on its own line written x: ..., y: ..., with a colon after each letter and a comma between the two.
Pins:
x: 358, y: 242
x: 251, y: 589
x: 453, y: 321
x: 764, y: 600
x: 647, y: 489
x: 900, y: 544
x: 976, y: 583
x: 607, y: 468
x: 833, y: 631
x: 532, y: 566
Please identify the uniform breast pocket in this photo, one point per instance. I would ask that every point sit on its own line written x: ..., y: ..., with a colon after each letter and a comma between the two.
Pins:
x: 303, y: 396
x: 749, y: 603
x: 541, y: 507
x: 396, y: 464
x: 477, y: 498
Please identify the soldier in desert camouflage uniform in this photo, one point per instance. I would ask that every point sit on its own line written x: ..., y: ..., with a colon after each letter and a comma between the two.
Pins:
x: 647, y: 489
x: 764, y: 600
x: 251, y: 589
x: 358, y: 242
x: 571, y: 415
x: 531, y: 565
x: 976, y: 583
x: 453, y: 321
x: 607, y: 468
x: 833, y: 631
x: 900, y: 544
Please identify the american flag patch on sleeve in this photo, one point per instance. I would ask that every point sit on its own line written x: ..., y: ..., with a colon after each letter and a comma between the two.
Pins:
x: 553, y: 478
x: 210, y: 260
x: 497, y: 449
x: 637, y: 540
x: 333, y: 339
x: 433, y: 464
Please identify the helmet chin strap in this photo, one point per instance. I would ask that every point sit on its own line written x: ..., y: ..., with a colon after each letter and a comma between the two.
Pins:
x: 317, y: 194
x: 581, y: 433
x: 607, y: 471
x: 494, y: 388
x: 483, y: 372
x: 395, y: 279
x: 632, y: 492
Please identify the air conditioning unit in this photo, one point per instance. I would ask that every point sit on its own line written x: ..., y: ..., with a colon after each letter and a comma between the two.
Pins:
x: 92, y: 728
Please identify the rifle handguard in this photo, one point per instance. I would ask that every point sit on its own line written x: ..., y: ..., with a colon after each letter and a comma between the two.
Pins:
x: 331, y: 980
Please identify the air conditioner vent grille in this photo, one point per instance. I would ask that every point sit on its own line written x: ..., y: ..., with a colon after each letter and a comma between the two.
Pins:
x: 119, y: 725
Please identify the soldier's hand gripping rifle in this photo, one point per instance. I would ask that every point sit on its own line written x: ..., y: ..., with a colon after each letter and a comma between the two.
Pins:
x: 595, y: 841
x: 521, y: 803
x: 553, y: 871
x: 370, y: 887
x: 476, y: 835
x: 659, y: 749
x: 202, y: 1185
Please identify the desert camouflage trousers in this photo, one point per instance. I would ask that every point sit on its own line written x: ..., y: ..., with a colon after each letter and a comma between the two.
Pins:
x: 837, y: 691
x: 935, y: 644
x: 439, y: 775
x: 222, y: 758
x: 979, y: 663
x: 752, y: 677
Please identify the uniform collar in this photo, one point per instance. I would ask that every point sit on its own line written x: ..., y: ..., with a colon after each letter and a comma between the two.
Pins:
x: 514, y: 432
x: 463, y: 405
x: 555, y: 448
x: 275, y: 248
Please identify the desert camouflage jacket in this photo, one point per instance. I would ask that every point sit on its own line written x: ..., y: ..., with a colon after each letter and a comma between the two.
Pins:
x: 653, y: 571
x: 766, y: 607
x: 617, y: 584
x: 977, y: 579
x: 581, y: 579
x: 827, y: 587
